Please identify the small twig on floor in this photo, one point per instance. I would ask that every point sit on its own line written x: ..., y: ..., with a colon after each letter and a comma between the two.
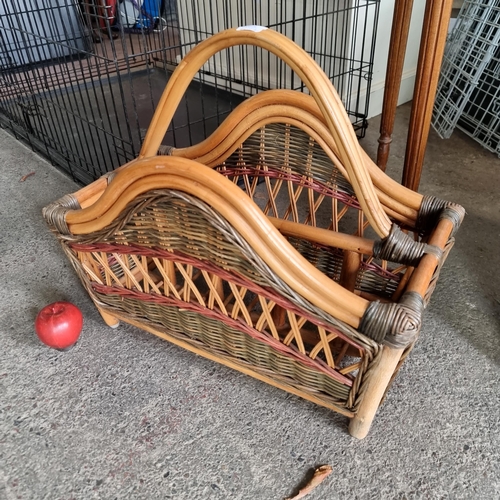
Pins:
x: 320, y: 474
x: 24, y: 177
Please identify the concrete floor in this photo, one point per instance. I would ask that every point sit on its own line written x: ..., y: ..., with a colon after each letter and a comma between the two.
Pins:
x: 126, y: 415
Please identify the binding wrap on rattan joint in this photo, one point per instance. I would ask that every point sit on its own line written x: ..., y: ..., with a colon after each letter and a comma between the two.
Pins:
x: 401, y: 248
x: 55, y: 213
x: 165, y: 150
x: 396, y: 325
x: 433, y: 210
x: 109, y: 176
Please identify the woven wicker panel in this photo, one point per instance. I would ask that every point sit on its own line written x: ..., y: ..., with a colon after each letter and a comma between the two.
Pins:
x: 372, y: 277
x: 283, y: 147
x: 290, y: 177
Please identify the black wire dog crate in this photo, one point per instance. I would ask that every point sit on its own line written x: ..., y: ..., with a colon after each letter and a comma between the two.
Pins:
x: 80, y: 79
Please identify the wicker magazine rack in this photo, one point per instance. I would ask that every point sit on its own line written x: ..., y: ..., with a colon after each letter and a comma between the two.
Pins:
x: 275, y: 246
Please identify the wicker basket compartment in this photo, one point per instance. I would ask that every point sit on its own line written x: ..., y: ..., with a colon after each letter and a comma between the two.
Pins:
x: 275, y: 246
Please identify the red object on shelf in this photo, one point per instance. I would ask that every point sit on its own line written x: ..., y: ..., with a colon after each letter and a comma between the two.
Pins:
x: 58, y: 325
x: 107, y: 11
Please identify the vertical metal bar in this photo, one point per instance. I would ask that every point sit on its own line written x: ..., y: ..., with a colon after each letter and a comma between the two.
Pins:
x: 361, y: 71
x: 14, y: 82
x: 121, y: 89
x: 41, y: 56
x: 82, y: 111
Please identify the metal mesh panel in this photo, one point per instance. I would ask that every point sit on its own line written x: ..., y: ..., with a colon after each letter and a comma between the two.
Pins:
x: 80, y: 79
x: 470, y: 63
x: 481, y: 116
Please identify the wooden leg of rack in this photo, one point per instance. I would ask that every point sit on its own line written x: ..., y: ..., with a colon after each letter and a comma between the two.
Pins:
x: 375, y: 390
x: 434, y: 32
x: 108, y: 319
x: 395, y: 62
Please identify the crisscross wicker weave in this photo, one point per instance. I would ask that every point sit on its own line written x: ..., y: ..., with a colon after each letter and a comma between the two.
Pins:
x: 275, y: 246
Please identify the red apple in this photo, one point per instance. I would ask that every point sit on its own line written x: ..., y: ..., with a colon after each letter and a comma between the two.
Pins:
x: 58, y: 325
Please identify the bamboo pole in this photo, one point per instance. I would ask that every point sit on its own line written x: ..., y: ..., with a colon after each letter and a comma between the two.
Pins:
x: 324, y: 236
x: 421, y: 277
x: 350, y: 268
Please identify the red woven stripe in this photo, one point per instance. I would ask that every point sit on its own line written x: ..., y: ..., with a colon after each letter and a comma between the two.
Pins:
x: 348, y: 200
x: 380, y: 271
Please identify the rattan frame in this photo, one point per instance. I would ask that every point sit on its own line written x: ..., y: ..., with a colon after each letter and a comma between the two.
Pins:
x: 180, y: 244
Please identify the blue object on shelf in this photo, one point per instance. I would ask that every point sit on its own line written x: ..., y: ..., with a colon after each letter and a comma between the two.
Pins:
x: 151, y: 11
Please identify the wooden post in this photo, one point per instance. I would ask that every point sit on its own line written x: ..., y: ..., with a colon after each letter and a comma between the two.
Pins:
x: 374, y: 391
x: 350, y: 268
x: 434, y: 32
x: 395, y: 62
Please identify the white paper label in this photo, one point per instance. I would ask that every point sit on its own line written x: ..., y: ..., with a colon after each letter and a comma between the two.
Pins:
x: 252, y: 27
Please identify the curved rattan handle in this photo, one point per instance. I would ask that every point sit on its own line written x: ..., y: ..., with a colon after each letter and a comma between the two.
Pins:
x: 313, y: 77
